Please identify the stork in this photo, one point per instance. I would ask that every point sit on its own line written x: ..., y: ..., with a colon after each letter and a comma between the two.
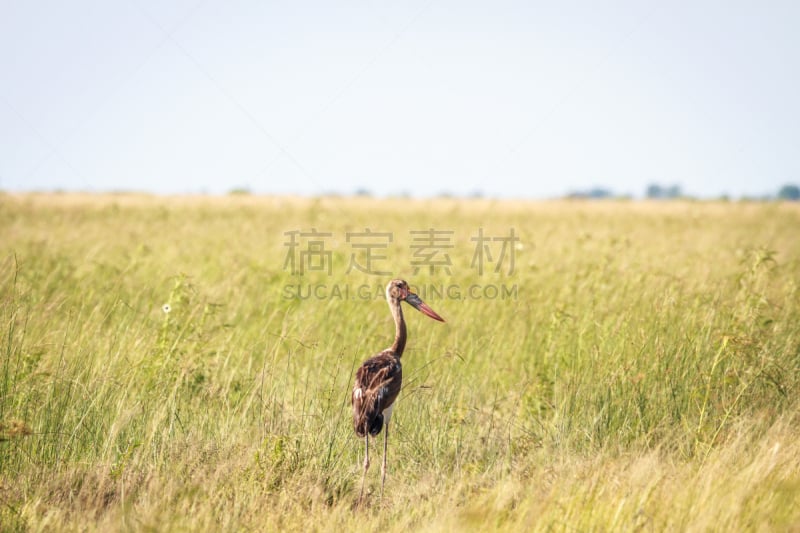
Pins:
x: 379, y: 378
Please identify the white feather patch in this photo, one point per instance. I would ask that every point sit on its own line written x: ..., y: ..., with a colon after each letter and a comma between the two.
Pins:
x: 387, y: 414
x: 357, y: 393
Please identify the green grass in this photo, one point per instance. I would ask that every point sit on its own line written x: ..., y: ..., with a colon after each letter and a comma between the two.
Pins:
x: 642, y: 371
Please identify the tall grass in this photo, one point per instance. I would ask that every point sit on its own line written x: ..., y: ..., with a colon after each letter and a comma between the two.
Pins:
x: 642, y: 374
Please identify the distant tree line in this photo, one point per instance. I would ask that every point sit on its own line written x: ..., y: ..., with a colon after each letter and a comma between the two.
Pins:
x: 789, y: 192
x: 655, y: 191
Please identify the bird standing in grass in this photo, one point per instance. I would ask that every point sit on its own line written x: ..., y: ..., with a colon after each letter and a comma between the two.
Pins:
x: 378, y: 379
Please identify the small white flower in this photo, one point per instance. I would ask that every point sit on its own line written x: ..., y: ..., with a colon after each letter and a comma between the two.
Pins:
x: 166, y: 308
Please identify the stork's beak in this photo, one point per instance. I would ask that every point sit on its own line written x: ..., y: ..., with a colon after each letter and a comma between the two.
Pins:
x: 421, y: 306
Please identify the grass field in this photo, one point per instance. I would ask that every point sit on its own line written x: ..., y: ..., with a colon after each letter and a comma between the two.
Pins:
x: 637, y: 369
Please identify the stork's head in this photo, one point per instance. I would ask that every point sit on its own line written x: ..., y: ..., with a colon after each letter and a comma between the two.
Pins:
x: 398, y: 291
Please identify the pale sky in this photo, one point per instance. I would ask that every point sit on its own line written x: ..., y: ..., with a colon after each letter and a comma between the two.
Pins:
x: 512, y: 99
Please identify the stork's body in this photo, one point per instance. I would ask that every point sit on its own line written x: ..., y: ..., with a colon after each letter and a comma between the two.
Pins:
x: 378, y: 379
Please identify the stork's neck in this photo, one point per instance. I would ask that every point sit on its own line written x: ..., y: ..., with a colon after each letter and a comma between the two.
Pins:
x: 399, y: 327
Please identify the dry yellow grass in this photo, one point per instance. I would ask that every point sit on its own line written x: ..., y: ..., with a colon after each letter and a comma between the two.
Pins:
x: 642, y: 376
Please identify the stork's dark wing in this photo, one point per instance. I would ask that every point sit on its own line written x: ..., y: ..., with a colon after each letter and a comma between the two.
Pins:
x: 377, y: 385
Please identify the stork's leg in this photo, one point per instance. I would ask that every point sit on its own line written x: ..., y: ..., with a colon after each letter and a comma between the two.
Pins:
x: 366, y: 467
x: 385, y: 446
